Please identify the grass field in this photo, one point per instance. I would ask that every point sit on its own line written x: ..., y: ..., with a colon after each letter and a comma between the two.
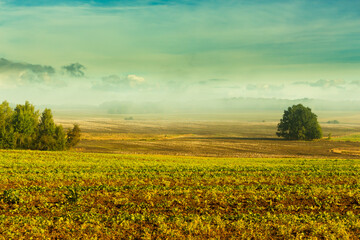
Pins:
x: 111, y: 196
x: 355, y: 137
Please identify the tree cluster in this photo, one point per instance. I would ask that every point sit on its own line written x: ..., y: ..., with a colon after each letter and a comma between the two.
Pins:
x: 299, y: 123
x: 25, y: 128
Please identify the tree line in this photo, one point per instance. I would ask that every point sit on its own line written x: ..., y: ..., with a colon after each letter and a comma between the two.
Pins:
x: 25, y: 128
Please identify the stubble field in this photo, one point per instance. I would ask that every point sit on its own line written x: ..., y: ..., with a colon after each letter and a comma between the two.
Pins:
x: 249, y: 134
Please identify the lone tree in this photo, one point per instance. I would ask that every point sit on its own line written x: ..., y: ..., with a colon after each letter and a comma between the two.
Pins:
x: 299, y: 123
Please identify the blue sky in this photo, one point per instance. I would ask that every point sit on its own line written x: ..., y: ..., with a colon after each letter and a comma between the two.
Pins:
x: 160, y: 49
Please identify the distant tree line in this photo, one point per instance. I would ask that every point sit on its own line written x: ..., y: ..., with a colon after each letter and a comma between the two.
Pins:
x: 333, y: 122
x: 25, y: 128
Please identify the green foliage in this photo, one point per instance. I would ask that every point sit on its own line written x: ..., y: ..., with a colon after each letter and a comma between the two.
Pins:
x: 7, y: 135
x: 46, y: 132
x: 47, y: 125
x: 299, y: 123
x: 73, y: 136
x: 60, y: 138
x: 23, y: 129
x: 25, y: 121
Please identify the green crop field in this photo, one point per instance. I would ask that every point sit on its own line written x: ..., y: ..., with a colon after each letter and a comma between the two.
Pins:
x: 69, y: 195
x: 355, y: 137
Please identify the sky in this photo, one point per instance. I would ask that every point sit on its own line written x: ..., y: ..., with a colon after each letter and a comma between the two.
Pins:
x: 89, y: 52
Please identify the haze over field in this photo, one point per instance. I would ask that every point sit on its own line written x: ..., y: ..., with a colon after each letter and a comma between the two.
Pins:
x: 91, y: 52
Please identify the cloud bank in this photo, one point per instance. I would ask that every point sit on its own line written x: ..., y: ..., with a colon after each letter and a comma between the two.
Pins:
x: 20, y: 73
x: 6, y: 65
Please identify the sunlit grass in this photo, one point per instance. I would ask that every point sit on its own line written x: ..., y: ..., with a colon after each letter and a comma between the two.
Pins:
x: 351, y: 138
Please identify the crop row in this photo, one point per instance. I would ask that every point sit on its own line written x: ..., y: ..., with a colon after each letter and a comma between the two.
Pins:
x: 76, y: 195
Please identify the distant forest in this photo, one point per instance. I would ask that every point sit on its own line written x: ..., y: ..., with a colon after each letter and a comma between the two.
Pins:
x: 24, y: 128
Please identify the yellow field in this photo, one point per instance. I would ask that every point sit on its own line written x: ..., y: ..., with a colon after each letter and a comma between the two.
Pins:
x: 248, y: 134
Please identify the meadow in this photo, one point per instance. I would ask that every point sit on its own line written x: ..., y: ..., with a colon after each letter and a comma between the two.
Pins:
x: 71, y: 195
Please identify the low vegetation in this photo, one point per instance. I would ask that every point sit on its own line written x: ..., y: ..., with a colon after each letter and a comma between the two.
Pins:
x: 354, y: 137
x: 24, y: 128
x: 69, y: 195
